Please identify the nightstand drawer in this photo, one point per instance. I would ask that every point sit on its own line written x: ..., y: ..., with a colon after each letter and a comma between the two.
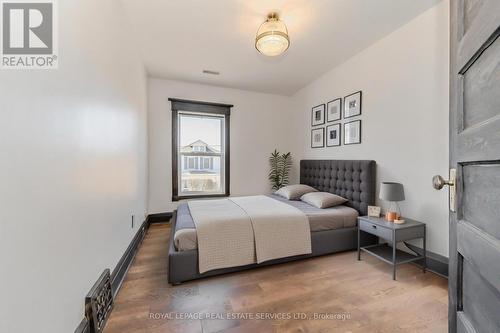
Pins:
x: 375, y: 230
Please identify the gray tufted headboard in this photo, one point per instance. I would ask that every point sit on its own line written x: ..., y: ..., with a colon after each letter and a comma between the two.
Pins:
x: 351, y: 179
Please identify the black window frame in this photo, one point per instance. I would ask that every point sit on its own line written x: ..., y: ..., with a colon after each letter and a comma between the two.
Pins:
x: 179, y: 105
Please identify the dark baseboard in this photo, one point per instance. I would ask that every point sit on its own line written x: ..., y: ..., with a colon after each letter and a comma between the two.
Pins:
x: 159, y: 217
x: 435, y: 262
x: 84, y: 326
x: 123, y: 265
x: 125, y: 261
x: 118, y: 274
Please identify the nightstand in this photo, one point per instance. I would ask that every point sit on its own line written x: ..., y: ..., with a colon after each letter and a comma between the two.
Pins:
x: 393, y: 233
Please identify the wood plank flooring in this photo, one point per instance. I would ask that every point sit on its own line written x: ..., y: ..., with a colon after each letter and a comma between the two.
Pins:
x: 361, y: 294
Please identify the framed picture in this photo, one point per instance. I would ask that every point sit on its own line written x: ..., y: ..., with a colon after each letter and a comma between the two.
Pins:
x: 334, y: 110
x: 318, y: 137
x: 352, y: 132
x: 318, y: 115
x: 374, y: 211
x: 333, y: 135
x: 352, y: 105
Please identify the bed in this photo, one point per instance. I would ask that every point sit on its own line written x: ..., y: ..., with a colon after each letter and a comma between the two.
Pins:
x: 331, y: 230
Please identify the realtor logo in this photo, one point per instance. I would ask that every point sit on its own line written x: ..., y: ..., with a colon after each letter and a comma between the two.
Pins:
x: 28, y: 34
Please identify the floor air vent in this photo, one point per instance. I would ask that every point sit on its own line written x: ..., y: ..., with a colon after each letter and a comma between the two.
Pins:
x: 99, y: 302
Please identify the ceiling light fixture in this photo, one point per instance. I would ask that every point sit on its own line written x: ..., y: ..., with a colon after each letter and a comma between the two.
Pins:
x: 272, y: 37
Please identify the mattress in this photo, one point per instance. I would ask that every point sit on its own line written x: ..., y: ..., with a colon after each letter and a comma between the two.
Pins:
x: 319, y: 220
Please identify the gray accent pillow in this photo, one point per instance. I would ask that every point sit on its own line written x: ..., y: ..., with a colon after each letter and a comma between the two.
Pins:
x: 294, y: 192
x: 323, y: 199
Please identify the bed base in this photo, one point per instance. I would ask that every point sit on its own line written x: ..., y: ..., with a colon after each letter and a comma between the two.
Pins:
x: 183, y: 265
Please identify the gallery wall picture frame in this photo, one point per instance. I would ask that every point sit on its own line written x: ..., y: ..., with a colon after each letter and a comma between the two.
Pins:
x: 352, y: 132
x: 318, y: 137
x: 318, y: 115
x: 352, y: 105
x: 334, y: 110
x: 333, y: 135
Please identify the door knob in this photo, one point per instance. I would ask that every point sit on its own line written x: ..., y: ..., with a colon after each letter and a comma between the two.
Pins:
x: 439, y: 182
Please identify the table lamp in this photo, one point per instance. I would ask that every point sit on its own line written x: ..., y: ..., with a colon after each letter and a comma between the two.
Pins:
x: 392, y: 192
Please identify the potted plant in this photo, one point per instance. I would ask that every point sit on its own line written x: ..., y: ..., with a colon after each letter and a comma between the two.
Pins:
x: 279, y: 175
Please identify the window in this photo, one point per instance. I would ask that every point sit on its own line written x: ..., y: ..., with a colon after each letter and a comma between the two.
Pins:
x: 190, y: 163
x: 207, y: 163
x: 200, y: 146
x: 197, y: 162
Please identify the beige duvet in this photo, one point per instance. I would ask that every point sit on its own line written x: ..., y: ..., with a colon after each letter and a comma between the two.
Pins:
x: 244, y: 230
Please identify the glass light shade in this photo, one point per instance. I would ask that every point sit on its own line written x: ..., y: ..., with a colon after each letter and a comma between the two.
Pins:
x: 272, y: 37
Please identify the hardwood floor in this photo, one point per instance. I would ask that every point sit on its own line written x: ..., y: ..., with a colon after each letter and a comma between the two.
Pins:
x: 361, y: 291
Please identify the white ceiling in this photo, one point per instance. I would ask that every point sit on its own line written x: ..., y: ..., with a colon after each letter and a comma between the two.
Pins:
x: 178, y: 39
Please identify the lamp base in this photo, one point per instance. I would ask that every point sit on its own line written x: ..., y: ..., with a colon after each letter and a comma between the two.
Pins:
x: 391, y: 216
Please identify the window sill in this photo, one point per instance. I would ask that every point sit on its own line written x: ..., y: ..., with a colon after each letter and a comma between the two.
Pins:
x: 201, y: 196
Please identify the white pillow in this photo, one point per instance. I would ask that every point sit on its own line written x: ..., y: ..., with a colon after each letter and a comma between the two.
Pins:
x: 323, y: 199
x: 294, y: 192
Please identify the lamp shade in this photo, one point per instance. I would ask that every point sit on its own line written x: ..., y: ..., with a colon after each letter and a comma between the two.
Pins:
x: 272, y: 37
x: 391, y: 191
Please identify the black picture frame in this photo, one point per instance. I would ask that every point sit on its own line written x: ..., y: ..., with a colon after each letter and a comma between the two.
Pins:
x: 360, y: 105
x: 314, y: 110
x: 345, y: 132
x: 322, y: 129
x: 339, y: 133
x: 339, y: 100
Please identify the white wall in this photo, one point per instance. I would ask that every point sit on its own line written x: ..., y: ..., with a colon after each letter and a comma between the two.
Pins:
x: 73, y: 168
x: 404, y: 79
x: 259, y: 124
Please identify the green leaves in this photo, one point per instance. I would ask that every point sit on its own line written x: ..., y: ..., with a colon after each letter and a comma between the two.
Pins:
x: 279, y: 175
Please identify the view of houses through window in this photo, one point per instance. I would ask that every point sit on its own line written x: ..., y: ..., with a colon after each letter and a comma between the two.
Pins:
x: 201, y: 154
